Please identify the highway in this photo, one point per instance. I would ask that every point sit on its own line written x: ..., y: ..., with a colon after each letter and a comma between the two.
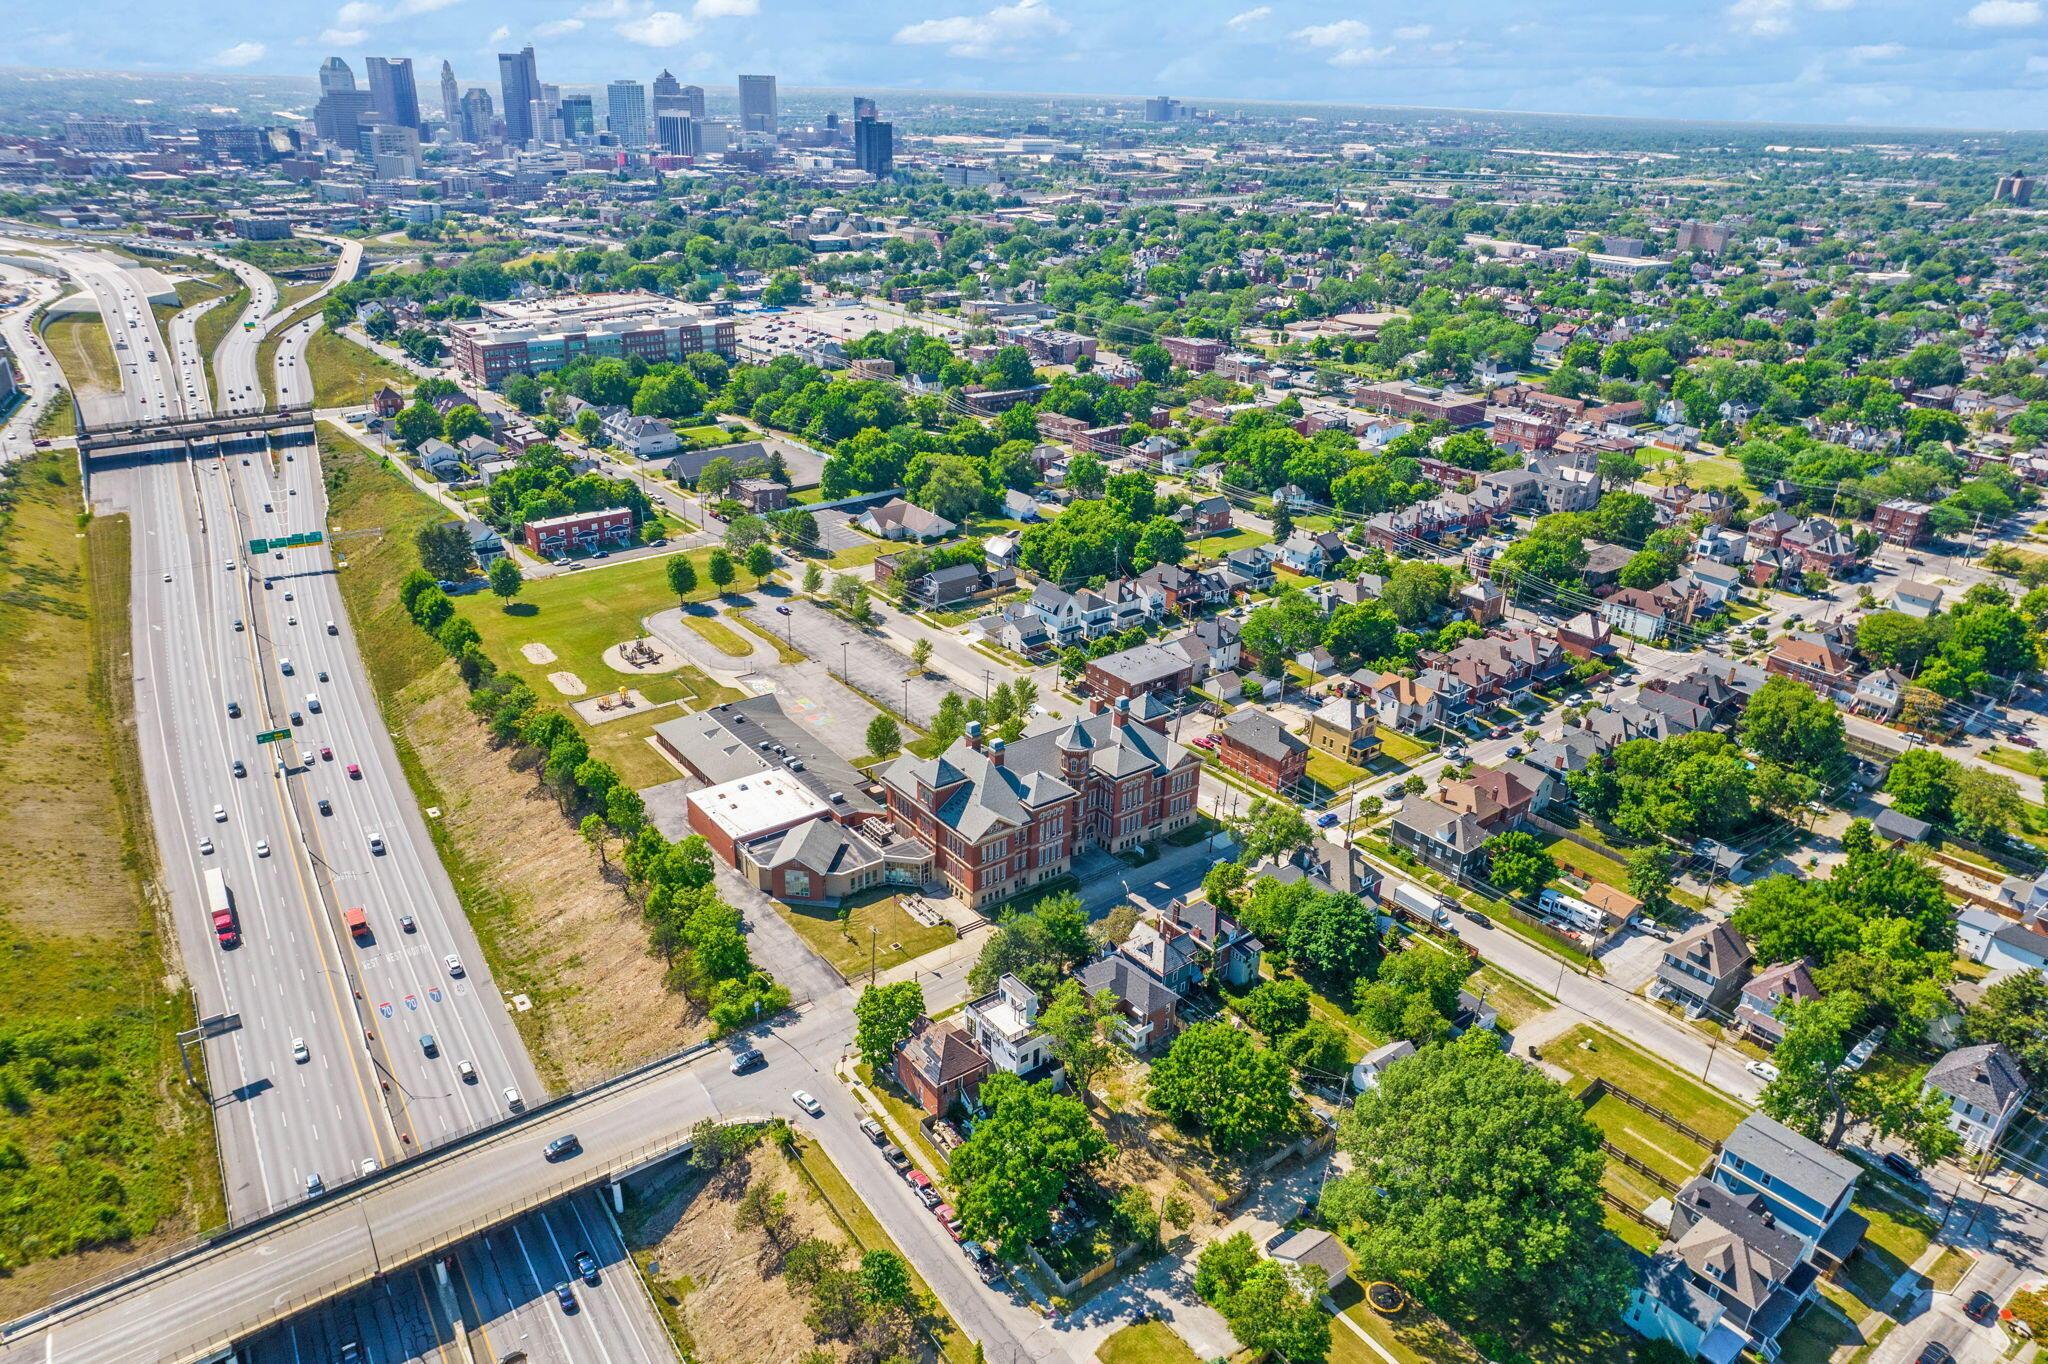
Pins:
x: 40, y: 379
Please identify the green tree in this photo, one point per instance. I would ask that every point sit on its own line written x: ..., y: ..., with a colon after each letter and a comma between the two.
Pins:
x: 1986, y: 804
x: 682, y: 576
x: 1818, y: 1095
x: 884, y: 737
x: 1922, y: 784
x: 814, y: 578
x: 920, y: 655
x: 1649, y: 880
x: 1075, y: 1024
x: 1476, y: 1182
x: 884, y: 1278
x: 1276, y: 1310
x: 1086, y: 475
x: 883, y: 1016
x: 416, y: 424
x: 1039, y: 946
x: 1013, y: 1168
x: 462, y: 422
x: 719, y: 565
x: 1270, y: 828
x: 1217, y: 1080
x: 1334, y: 942
x: 1222, y: 1267
x: 760, y: 562
x: 1276, y: 1007
x: 1517, y: 862
x: 445, y: 551
x: 717, y: 476
x: 1788, y: 724
x: 2014, y: 1011
x: 504, y: 578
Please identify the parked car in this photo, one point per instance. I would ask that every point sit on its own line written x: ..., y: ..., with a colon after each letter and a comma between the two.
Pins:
x: 872, y: 1130
x: 1900, y: 1166
x: 1763, y: 1070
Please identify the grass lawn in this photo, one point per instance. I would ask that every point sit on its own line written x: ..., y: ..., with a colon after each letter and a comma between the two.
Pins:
x: 345, y: 374
x: 1515, y: 1002
x: 111, y: 1154
x: 845, y: 936
x: 1711, y: 471
x: 1586, y: 862
x: 578, y: 616
x: 214, y: 325
x: 59, y: 418
x: 860, y: 1224
x: 1153, y: 1342
x: 1237, y: 537
x: 1897, y: 1227
x: 1658, y: 1145
x: 79, y: 343
x: 1415, y: 1335
x: 720, y: 635
x: 1591, y: 1053
x: 784, y: 651
x: 1402, y: 748
x: 1334, y: 773
x: 862, y: 554
x: 2032, y: 761
x: 1814, y: 1336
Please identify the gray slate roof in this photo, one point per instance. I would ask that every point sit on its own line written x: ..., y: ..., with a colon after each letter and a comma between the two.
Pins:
x: 1986, y: 1077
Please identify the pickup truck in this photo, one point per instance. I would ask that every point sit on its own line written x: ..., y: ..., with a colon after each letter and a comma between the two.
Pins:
x: 358, y: 924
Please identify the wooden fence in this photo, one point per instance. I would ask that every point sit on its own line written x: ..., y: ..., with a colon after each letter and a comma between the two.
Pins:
x: 1597, y: 1089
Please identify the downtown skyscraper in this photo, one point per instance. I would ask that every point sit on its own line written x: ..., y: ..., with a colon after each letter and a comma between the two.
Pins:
x: 626, y: 112
x: 393, y: 96
x: 757, y: 104
x: 519, y: 84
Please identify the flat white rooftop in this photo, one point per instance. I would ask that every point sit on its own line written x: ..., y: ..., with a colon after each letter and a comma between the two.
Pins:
x: 760, y: 803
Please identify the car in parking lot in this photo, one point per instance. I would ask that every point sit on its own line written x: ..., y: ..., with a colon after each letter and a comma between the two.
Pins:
x: 803, y: 1100
x: 564, y: 1145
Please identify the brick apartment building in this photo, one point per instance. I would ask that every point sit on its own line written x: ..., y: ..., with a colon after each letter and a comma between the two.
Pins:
x: 1901, y: 522
x: 525, y: 338
x: 1195, y: 354
x: 1258, y: 747
x: 557, y: 535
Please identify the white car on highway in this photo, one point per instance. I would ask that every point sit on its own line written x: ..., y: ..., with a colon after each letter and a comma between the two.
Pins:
x: 454, y: 964
x: 299, y: 1051
x: 262, y: 848
x: 220, y: 814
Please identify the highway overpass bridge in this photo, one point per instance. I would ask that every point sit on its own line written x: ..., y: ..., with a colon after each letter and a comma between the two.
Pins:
x: 210, y: 1296
x: 109, y: 445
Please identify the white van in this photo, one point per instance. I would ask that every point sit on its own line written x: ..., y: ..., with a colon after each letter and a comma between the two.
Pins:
x: 513, y: 1101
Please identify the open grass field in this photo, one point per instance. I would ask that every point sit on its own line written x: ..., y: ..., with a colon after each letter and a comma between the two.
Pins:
x: 106, y: 1156
x: 1237, y: 537
x: 1708, y: 471
x: 845, y: 936
x: 345, y: 374
x: 577, y: 616
x: 79, y: 343
x: 1152, y: 1342
x: 1658, y: 1145
x: 551, y: 923
x: 1591, y: 1053
x: 862, y: 554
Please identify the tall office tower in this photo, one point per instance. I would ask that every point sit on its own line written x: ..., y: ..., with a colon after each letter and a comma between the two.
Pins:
x: 335, y: 77
x: 451, y: 100
x: 477, y: 114
x: 680, y: 134
x: 863, y: 107
x: 693, y: 101
x: 874, y: 147
x: 392, y: 93
x: 757, y: 104
x: 668, y: 95
x: 1162, y: 109
x: 578, y: 115
x: 626, y: 112
x: 547, y: 128
x: 519, y: 84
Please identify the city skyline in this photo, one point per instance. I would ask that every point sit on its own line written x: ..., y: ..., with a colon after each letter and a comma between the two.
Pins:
x: 1854, y: 62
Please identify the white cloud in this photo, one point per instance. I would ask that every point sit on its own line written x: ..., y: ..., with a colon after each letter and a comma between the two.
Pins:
x: 1347, y: 41
x: 1834, y: 4
x: 724, y: 9
x: 1413, y: 33
x: 556, y: 28
x: 662, y: 28
x: 1762, y: 18
x: 1256, y: 15
x: 2037, y: 66
x: 604, y: 9
x: 361, y: 14
x: 1877, y: 52
x: 2004, y: 14
x: 980, y: 35
x: 344, y: 37
x: 241, y: 54
x: 499, y: 34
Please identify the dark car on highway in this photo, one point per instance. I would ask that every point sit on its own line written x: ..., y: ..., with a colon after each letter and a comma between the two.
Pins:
x: 586, y: 1265
x: 564, y: 1145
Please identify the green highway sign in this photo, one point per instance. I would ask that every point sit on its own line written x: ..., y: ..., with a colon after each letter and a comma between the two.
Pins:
x: 299, y: 541
x: 273, y: 736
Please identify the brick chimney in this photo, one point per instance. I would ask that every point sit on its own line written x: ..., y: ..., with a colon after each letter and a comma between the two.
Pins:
x: 995, y: 751
x: 1122, y: 715
x: 974, y: 734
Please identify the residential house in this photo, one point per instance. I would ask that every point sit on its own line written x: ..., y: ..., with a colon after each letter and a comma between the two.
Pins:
x: 1704, y: 971
x: 1984, y: 1089
x: 1317, y: 1253
x: 760, y: 495
x: 1020, y: 506
x: 1233, y: 953
x: 1210, y: 647
x: 1727, y: 1280
x: 1184, y: 590
x: 1821, y: 547
x: 1916, y: 598
x: 939, y: 1066
x: 1586, y: 636
x: 1371, y: 1066
x: 1209, y: 516
x: 1258, y: 747
x: 1824, y: 664
x: 1146, y: 1010
x: 1650, y: 614
x: 1767, y: 992
x: 1406, y: 704
x: 1901, y: 522
x: 900, y: 520
x: 1312, y: 553
x: 1018, y: 628
x: 1715, y: 585
x: 1004, y: 1026
x: 1881, y: 692
x: 1499, y: 797
x: 440, y: 459
x: 1343, y: 728
x: 641, y: 437
x: 1806, y: 1187
x: 1445, y: 839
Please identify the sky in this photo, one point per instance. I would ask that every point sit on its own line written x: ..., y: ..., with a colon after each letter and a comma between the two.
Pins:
x: 1928, y: 63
